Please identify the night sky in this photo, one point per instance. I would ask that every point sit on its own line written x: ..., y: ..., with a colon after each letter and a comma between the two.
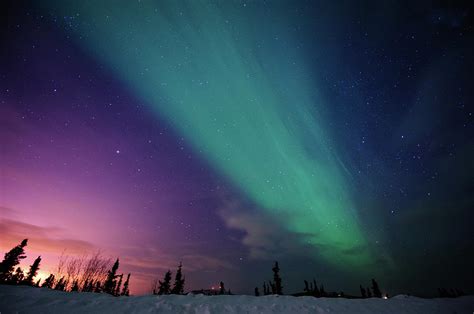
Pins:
x: 336, y: 138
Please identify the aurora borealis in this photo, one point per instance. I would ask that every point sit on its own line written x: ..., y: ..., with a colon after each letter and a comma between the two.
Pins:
x: 228, y: 134
x: 222, y: 100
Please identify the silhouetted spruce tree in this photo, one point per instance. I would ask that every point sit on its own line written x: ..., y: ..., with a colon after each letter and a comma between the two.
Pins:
x: 33, y: 271
x: 265, y: 288
x: 221, y: 288
x: 369, y: 294
x: 18, y: 277
x: 119, y: 285
x: 165, y: 285
x: 277, y: 279
x: 376, y: 289
x: 125, y: 290
x: 38, y: 283
x: 110, y: 282
x: 362, y: 292
x: 306, y: 287
x: 11, y: 259
x: 178, y: 287
x: 257, y: 293
x: 49, y: 282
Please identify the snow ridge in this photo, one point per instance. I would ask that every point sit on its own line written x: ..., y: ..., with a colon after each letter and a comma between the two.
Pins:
x: 23, y: 299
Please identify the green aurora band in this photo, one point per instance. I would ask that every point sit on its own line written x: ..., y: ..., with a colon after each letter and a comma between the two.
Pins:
x: 245, y: 105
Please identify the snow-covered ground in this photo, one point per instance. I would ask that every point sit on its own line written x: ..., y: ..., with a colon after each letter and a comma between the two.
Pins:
x: 21, y: 299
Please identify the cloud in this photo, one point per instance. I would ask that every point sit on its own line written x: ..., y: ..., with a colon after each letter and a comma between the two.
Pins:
x: 41, y: 239
x: 6, y: 212
x: 267, y: 238
x: 263, y: 235
x: 356, y: 250
x: 198, y: 262
x: 152, y: 260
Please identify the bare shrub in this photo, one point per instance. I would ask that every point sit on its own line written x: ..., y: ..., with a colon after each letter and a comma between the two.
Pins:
x: 83, y: 270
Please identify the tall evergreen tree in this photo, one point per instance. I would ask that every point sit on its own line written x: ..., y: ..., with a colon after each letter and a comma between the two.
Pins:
x: 376, y: 289
x: 110, y: 282
x: 178, y: 287
x: 369, y: 294
x: 362, y: 292
x: 11, y: 259
x: 257, y: 293
x: 125, y: 290
x: 306, y: 287
x: 277, y: 279
x: 33, y: 271
x: 165, y: 285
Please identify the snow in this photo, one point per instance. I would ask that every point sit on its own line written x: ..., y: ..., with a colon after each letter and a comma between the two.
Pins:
x: 22, y: 299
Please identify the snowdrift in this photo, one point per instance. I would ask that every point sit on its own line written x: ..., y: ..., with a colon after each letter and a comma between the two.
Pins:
x: 22, y: 299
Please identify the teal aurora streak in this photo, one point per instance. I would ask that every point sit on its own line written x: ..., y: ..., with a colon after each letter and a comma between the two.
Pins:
x: 248, y: 107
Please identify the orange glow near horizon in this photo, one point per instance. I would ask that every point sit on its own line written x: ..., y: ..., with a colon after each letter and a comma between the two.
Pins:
x: 41, y: 275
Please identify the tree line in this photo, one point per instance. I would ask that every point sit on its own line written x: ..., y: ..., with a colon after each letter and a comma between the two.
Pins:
x: 311, y: 288
x: 79, y: 274
x: 161, y: 287
x: 98, y: 274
